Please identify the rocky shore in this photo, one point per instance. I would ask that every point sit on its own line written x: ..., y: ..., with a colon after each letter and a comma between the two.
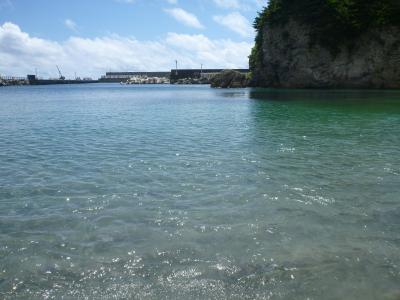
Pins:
x: 9, y: 82
x: 229, y: 79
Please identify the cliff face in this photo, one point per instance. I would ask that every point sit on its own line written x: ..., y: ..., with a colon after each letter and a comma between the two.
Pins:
x: 291, y: 60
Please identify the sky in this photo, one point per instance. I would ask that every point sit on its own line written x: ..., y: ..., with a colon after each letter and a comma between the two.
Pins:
x: 92, y: 37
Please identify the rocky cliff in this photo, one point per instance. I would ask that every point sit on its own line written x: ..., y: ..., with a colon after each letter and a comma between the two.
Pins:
x: 289, y: 55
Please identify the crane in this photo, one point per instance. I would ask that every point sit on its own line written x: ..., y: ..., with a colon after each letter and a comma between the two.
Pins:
x: 59, y: 72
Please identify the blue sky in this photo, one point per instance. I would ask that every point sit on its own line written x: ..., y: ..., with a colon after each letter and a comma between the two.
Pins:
x: 91, y: 37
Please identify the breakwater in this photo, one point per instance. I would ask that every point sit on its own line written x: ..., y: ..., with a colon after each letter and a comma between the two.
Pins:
x: 9, y: 80
x: 174, y: 76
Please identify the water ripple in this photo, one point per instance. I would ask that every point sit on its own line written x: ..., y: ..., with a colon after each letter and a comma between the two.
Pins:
x: 182, y: 193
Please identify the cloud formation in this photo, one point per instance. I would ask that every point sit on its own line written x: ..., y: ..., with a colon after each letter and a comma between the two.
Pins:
x: 241, y: 4
x: 230, y: 4
x: 185, y: 17
x: 237, y: 23
x: 21, y: 53
x: 70, y: 24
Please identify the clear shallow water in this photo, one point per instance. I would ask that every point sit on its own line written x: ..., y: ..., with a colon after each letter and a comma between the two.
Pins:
x: 113, y: 192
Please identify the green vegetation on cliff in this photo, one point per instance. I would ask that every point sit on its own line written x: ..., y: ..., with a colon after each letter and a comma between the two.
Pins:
x: 332, y: 23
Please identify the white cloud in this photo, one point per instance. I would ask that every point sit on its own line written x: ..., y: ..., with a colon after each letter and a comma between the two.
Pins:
x: 241, y: 4
x: 185, y: 17
x: 261, y: 3
x: 237, y: 23
x: 232, y: 4
x: 21, y: 53
x: 212, y: 53
x: 70, y: 24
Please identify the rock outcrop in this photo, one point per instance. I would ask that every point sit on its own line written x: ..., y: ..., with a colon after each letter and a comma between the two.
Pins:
x: 290, y: 60
x: 229, y: 79
x: 327, y: 44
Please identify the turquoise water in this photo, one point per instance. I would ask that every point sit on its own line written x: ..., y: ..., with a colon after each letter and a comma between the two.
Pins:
x: 143, y: 192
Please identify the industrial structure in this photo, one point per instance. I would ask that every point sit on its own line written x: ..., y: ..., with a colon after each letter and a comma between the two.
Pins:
x: 33, y: 80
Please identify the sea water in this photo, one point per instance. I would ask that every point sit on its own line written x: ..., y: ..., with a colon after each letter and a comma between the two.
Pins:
x: 188, y: 192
